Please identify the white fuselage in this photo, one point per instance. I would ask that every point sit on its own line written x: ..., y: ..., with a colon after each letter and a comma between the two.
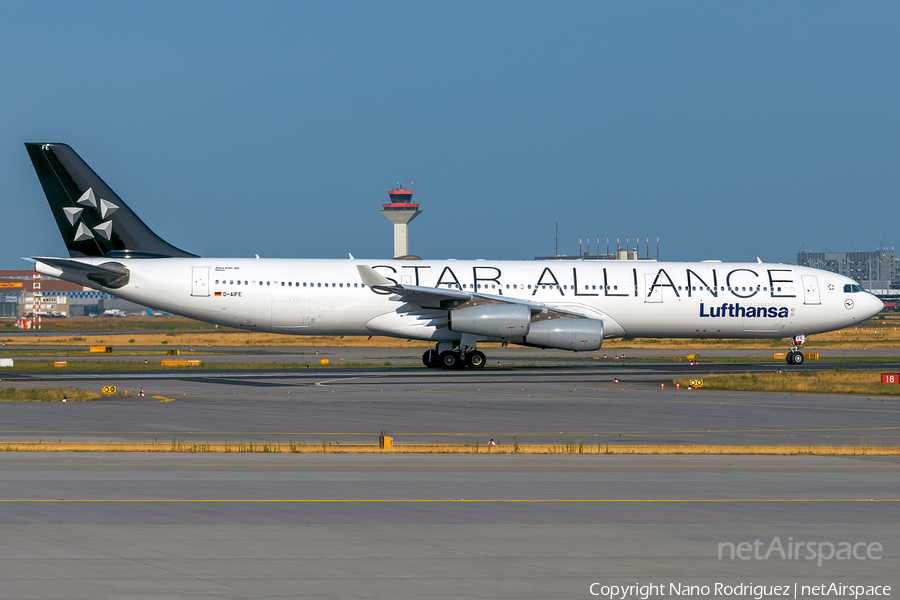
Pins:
x: 633, y: 298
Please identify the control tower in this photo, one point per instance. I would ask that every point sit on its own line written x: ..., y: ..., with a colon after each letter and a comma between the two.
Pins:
x: 400, y: 211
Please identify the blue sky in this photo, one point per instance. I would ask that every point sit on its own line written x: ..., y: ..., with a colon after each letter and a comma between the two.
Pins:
x: 729, y: 130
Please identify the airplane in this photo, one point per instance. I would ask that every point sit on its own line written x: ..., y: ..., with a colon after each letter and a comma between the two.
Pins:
x: 569, y: 305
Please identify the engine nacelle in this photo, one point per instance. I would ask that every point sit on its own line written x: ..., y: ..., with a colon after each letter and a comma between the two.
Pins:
x: 492, y: 320
x: 566, y: 334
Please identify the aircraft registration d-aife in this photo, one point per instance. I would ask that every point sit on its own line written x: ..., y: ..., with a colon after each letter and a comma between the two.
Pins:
x: 569, y: 305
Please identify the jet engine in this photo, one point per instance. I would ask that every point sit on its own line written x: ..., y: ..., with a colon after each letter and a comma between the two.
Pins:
x: 566, y: 334
x: 492, y: 320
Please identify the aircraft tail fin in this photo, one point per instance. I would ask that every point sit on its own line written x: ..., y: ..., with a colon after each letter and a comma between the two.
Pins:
x: 92, y: 219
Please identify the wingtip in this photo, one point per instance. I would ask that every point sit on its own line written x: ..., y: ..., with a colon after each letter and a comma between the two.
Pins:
x: 371, y: 277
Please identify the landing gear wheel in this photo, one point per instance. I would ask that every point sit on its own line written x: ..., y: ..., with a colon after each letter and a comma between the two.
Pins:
x: 476, y: 359
x: 430, y: 359
x: 795, y: 358
x: 449, y: 360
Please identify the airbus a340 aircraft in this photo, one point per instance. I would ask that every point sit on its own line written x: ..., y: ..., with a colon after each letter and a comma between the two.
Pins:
x: 571, y: 305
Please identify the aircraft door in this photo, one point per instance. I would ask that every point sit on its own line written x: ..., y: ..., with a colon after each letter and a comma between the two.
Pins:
x: 200, y: 281
x: 290, y: 313
x: 656, y: 295
x: 810, y: 289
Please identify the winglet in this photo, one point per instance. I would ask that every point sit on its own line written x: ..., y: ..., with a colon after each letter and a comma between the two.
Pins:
x: 371, y: 277
x: 759, y: 260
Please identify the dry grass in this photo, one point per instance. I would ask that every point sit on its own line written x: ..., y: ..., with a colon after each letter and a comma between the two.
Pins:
x: 213, y: 339
x: 880, y: 332
x: 837, y: 381
x: 11, y: 394
x: 869, y: 337
x: 847, y: 338
x: 572, y: 448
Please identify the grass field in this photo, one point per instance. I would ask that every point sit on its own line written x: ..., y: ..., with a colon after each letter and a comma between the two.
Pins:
x: 571, y: 448
x: 11, y: 394
x: 838, y: 381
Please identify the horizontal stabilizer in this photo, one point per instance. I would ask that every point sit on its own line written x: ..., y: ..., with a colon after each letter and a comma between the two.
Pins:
x: 110, y: 275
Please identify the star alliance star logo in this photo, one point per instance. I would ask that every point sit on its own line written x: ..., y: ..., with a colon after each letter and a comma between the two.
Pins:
x: 103, y: 208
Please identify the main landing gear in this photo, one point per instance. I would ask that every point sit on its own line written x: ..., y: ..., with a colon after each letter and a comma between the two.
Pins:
x: 795, y: 355
x: 454, y: 358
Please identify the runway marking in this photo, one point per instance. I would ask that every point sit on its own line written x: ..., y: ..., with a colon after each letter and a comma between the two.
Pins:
x: 713, y: 403
x: 647, y: 399
x: 504, y: 465
x: 445, y: 500
x: 164, y: 399
x: 327, y: 381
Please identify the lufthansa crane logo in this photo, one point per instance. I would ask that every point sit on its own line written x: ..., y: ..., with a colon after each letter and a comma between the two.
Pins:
x: 848, y: 303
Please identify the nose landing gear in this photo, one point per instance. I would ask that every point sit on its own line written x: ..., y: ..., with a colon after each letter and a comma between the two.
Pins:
x: 795, y: 355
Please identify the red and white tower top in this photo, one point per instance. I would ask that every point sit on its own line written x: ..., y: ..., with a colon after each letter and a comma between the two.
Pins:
x: 400, y: 199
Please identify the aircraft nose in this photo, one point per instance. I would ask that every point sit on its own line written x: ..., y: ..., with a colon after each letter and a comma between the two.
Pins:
x: 874, y: 305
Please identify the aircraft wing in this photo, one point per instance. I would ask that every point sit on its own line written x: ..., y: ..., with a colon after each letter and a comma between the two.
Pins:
x: 437, y: 298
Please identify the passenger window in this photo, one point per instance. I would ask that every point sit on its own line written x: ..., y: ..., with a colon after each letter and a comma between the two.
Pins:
x: 231, y: 282
x: 529, y: 286
x: 355, y: 284
x: 320, y: 285
x: 217, y: 281
x: 267, y: 283
x: 593, y: 287
x: 289, y: 284
x: 304, y: 284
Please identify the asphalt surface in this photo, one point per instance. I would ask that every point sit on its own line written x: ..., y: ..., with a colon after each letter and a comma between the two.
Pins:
x: 149, y: 526
x: 537, y: 405
x: 401, y: 526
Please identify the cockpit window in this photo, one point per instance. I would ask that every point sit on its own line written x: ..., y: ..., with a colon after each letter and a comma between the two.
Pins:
x: 852, y: 288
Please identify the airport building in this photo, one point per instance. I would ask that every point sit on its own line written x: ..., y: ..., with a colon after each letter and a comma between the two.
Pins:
x: 56, y: 298
x: 877, y: 271
x: 626, y: 253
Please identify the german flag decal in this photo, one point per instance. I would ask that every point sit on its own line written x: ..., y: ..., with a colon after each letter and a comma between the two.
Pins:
x: 218, y: 293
